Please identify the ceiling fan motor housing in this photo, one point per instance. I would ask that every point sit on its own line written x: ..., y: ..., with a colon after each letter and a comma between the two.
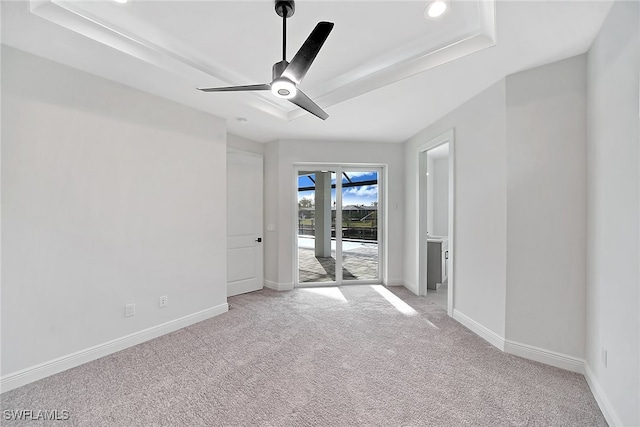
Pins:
x: 278, y: 69
x: 282, y: 87
x: 285, y: 8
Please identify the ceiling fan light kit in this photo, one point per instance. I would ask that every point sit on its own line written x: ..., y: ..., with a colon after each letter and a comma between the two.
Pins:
x: 283, y: 88
x: 286, y: 76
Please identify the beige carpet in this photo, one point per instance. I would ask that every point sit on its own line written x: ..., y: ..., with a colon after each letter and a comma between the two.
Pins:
x: 354, y: 356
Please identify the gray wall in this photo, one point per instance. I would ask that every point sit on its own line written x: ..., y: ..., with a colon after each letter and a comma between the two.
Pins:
x: 430, y: 187
x: 613, y: 229
x: 244, y: 144
x: 546, y: 204
x: 562, y: 145
x: 480, y: 206
x: 519, y: 250
x: 441, y: 197
x: 109, y: 196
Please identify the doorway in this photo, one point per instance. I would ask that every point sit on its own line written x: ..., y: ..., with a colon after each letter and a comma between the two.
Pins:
x: 436, y: 220
x: 339, y: 228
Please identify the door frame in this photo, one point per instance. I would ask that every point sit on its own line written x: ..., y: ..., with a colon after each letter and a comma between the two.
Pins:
x: 338, y: 168
x: 421, y: 220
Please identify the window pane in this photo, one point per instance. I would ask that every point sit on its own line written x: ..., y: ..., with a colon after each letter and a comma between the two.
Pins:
x: 360, y: 252
x: 316, y: 226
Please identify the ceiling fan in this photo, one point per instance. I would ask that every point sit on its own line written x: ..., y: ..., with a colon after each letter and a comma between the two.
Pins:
x: 288, y: 75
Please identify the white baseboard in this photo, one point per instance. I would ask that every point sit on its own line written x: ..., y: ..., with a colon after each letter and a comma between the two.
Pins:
x: 278, y: 286
x: 547, y: 357
x: 43, y: 370
x: 410, y: 286
x: 395, y: 282
x: 475, y: 327
x: 601, y: 398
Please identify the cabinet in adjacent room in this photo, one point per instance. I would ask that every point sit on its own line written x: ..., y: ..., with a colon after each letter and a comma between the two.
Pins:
x: 437, y: 262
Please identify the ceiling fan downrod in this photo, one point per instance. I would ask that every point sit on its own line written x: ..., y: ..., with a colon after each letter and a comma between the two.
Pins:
x: 285, y: 9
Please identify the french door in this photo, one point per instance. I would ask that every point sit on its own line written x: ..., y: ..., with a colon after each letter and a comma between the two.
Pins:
x: 339, y: 220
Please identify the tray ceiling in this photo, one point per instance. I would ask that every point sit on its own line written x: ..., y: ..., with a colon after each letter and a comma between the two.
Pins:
x: 379, y: 50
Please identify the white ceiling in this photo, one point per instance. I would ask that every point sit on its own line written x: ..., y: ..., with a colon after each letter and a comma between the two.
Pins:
x: 383, y: 74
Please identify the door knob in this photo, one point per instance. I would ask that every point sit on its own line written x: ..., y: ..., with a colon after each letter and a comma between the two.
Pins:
x: 259, y: 239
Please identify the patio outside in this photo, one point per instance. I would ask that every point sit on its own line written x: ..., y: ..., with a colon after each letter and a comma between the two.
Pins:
x: 359, y: 261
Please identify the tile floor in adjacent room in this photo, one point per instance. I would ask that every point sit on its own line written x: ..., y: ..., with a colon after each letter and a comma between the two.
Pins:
x: 439, y: 296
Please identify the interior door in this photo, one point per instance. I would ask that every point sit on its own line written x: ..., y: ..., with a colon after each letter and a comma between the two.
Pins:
x: 244, y: 223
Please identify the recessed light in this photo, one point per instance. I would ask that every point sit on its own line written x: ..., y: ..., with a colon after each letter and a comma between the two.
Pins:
x: 435, y: 9
x: 121, y: 1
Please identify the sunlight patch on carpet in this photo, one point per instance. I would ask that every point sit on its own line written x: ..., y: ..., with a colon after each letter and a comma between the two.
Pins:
x: 330, y: 292
x: 399, y: 305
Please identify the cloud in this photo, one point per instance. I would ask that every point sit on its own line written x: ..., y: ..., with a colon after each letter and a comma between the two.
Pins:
x: 358, y: 174
x: 354, y: 175
x: 363, y: 191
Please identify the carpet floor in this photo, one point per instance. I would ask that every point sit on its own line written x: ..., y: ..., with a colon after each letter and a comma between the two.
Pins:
x: 350, y: 356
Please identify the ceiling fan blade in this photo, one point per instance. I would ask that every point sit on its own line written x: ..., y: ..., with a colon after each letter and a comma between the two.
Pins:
x: 301, y: 62
x: 236, y: 88
x: 304, y: 102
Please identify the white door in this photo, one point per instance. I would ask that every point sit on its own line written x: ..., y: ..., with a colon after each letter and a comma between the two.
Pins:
x: 244, y: 223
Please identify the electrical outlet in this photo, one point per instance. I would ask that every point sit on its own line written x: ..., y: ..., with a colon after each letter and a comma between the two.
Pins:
x: 163, y: 301
x: 604, y: 357
x: 129, y: 310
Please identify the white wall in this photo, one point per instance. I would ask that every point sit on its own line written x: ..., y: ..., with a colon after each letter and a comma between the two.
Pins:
x: 430, y: 206
x: 271, y: 216
x: 244, y: 144
x: 613, y: 212
x: 548, y: 213
x: 280, y: 186
x: 481, y: 206
x: 440, y: 196
x: 109, y: 196
x: 519, y: 250
x: 546, y: 204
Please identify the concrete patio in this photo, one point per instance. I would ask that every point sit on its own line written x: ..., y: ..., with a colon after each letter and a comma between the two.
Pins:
x: 359, y: 261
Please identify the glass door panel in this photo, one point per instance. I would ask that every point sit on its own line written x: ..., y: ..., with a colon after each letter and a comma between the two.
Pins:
x: 360, y: 204
x: 316, y: 226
